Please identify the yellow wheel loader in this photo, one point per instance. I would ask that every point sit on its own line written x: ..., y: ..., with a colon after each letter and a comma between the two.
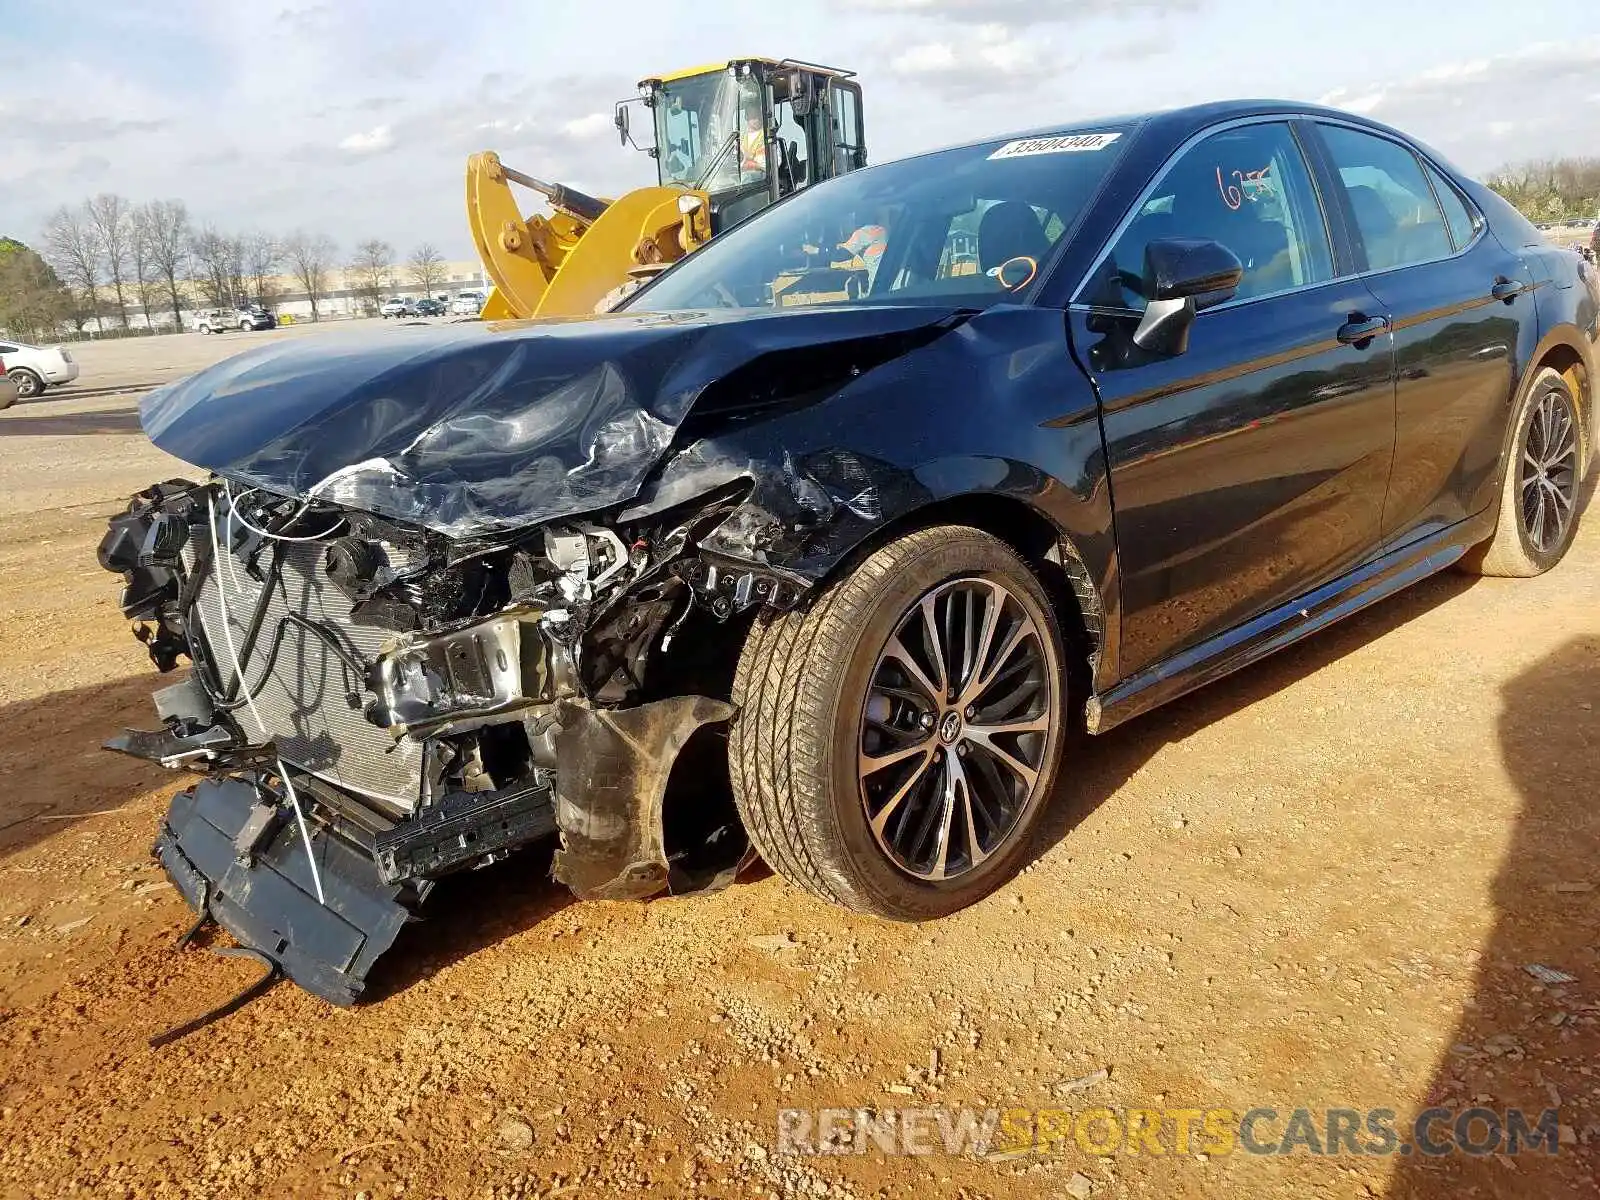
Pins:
x: 728, y: 138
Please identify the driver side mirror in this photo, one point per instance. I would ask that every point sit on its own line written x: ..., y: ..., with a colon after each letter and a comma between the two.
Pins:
x: 621, y: 121
x: 1182, y: 276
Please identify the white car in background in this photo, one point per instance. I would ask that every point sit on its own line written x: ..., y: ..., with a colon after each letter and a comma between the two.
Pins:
x: 466, y: 304
x: 33, y: 368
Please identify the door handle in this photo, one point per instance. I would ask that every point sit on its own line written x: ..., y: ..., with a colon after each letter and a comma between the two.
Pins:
x: 1507, y: 289
x: 1360, y: 329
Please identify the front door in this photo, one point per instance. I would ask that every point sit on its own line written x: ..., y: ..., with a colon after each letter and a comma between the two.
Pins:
x: 1252, y: 467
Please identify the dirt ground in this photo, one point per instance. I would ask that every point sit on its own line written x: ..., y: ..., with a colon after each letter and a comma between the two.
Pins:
x: 1316, y: 884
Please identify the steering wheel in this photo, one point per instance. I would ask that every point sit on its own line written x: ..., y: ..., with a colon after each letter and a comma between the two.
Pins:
x: 1022, y: 264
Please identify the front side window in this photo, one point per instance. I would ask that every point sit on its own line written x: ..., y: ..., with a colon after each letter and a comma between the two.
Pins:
x: 974, y: 226
x: 1394, y: 209
x: 1246, y: 188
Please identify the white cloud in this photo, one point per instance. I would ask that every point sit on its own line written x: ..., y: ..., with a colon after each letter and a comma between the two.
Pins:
x: 1364, y: 102
x: 1018, y: 12
x: 379, y: 137
x: 1524, y: 103
x: 587, y: 127
x: 991, y: 59
x: 928, y: 58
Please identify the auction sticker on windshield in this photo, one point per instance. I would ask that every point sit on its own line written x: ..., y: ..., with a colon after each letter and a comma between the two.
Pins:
x: 1066, y: 143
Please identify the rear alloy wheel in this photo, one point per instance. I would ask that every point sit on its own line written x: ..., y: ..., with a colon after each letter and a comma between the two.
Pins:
x: 28, y: 383
x: 895, y: 742
x: 1539, y: 494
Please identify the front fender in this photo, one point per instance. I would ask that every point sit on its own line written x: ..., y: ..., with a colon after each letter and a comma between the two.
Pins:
x: 994, y: 411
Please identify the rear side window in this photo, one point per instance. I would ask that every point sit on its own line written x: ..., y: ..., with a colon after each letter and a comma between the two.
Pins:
x: 1394, y: 209
x: 1463, y: 221
x: 1247, y: 188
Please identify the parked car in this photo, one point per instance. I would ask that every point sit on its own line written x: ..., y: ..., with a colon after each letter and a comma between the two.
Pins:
x: 865, y: 544
x: 398, y: 307
x: 254, y: 317
x: 212, y: 320
x: 8, y: 389
x: 34, y: 368
x: 466, y: 304
x: 429, y: 307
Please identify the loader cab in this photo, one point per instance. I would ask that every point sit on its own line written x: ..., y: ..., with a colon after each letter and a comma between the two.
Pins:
x: 751, y: 131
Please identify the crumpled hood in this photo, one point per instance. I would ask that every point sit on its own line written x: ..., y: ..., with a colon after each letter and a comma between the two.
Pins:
x: 470, y: 428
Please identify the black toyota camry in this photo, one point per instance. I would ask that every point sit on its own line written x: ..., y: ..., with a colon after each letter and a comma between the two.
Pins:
x: 818, y: 548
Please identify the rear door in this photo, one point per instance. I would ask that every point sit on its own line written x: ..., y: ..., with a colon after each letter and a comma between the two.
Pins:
x: 1252, y: 467
x: 1455, y: 298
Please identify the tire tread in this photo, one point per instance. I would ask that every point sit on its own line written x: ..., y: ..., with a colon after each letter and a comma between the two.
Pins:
x: 786, y: 689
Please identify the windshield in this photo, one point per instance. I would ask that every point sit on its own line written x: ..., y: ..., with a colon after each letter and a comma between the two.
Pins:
x: 969, y: 226
x: 709, y: 131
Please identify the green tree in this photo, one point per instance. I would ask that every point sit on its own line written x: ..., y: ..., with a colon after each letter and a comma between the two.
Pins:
x: 33, y: 302
x: 1551, y: 189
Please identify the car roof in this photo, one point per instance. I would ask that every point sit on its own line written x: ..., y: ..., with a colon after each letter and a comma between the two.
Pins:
x: 1176, y: 125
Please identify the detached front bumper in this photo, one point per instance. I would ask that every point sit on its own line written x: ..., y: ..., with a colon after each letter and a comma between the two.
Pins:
x: 234, y: 858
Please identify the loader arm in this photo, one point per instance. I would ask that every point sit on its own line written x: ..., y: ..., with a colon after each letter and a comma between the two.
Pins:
x: 564, y: 264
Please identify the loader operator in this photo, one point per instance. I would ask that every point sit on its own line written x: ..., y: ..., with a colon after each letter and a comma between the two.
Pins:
x: 753, y: 146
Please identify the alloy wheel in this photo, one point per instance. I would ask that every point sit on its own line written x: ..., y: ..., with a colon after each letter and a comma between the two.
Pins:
x: 954, y: 729
x: 27, y: 384
x: 1549, y: 475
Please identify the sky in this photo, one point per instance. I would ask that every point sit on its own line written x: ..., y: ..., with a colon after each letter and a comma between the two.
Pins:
x: 355, y: 118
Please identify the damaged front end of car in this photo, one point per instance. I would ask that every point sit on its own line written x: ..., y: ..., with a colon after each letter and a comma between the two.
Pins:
x: 432, y: 622
x: 374, y: 710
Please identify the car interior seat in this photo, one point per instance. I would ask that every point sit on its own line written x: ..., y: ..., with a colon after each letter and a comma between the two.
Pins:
x: 1010, y: 229
x: 1378, y: 226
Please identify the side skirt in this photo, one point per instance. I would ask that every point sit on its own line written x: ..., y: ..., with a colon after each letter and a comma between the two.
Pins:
x: 1255, y: 639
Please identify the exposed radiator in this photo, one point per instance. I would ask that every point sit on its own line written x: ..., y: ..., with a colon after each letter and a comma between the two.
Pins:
x: 305, y: 704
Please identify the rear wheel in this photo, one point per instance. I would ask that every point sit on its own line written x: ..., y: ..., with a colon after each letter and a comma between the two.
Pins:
x: 895, y: 742
x: 29, y: 384
x: 1539, y: 495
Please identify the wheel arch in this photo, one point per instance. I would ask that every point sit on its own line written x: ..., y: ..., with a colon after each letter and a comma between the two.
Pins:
x: 1561, y: 349
x: 1563, y: 355
x: 33, y: 373
x: 1047, y: 547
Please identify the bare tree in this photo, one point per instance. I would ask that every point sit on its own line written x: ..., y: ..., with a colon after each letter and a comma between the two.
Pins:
x: 110, y: 215
x: 263, y: 254
x: 146, y: 279
x: 310, y: 255
x: 233, y: 265
x: 72, y: 246
x: 426, y: 267
x: 166, y: 230
x: 372, y: 269
x: 209, y: 253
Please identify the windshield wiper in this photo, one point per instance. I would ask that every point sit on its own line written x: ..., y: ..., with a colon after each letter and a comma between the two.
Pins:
x: 711, y: 168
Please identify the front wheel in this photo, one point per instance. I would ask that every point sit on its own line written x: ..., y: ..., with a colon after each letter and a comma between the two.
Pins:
x: 1539, y: 494
x: 894, y: 743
